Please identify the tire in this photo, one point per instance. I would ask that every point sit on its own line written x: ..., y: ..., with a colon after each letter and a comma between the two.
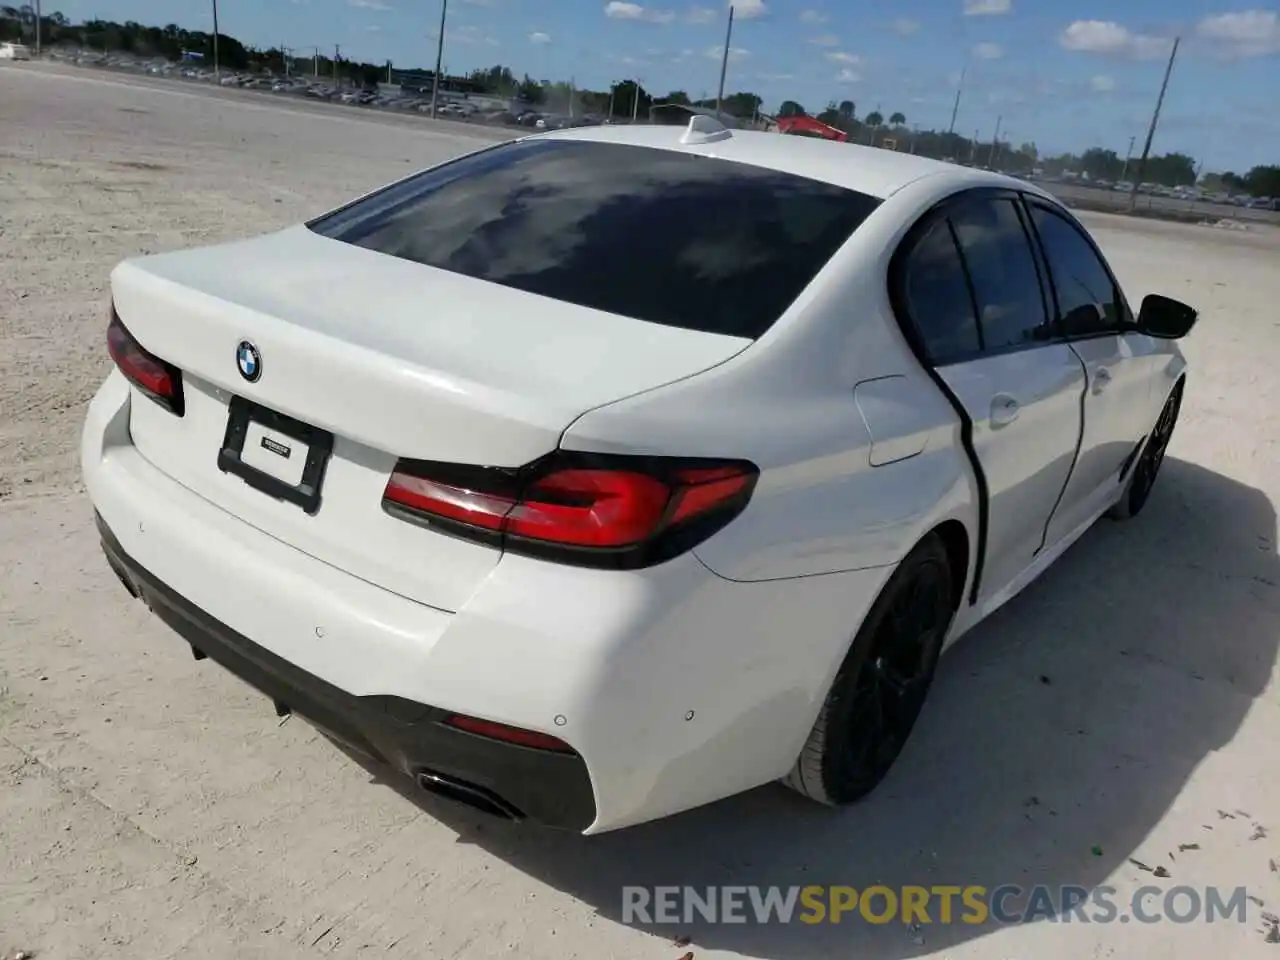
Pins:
x: 1143, y: 476
x: 882, y: 684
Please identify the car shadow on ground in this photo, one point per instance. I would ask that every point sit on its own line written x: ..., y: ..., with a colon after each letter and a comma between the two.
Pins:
x: 1057, y: 736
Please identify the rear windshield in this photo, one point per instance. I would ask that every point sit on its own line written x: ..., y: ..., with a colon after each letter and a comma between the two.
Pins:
x: 662, y: 236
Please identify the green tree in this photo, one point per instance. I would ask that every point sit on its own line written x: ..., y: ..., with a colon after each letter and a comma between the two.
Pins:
x: 1263, y: 181
x: 790, y: 108
x: 846, y: 109
x: 743, y: 105
x: 875, y: 119
x: 1101, y: 164
x: 898, y: 119
x: 630, y: 99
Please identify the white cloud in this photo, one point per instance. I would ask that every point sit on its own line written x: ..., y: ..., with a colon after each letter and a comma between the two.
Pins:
x: 839, y: 56
x: 748, y: 9
x: 848, y: 76
x: 370, y: 4
x: 906, y: 26
x: 1108, y: 38
x: 467, y: 33
x: 621, y: 10
x: 701, y: 15
x: 987, y: 8
x: 813, y: 17
x: 735, y: 53
x: 988, y: 51
x: 826, y: 40
x: 1249, y: 33
x: 538, y: 37
x: 776, y: 76
x: 373, y: 28
x: 1102, y: 84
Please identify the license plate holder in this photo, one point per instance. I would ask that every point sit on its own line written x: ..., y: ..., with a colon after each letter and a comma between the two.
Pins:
x: 242, y: 418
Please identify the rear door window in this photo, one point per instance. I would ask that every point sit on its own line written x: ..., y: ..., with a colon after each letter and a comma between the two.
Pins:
x: 938, y: 297
x: 658, y: 235
x: 1006, y: 283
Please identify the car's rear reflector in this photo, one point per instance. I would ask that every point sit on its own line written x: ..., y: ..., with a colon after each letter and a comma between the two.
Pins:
x: 508, y: 734
x: 586, y: 509
x: 158, y: 380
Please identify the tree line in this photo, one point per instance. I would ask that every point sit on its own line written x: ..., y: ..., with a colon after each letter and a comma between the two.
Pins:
x: 623, y: 99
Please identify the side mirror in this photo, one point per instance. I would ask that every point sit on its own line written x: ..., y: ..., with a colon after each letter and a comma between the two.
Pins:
x: 1165, y: 317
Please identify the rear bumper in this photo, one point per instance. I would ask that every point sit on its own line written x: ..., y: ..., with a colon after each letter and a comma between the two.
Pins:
x: 674, y: 686
x: 549, y: 788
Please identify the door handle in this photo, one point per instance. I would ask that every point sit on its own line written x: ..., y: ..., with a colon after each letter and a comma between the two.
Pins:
x: 1004, y: 410
x: 1101, y: 377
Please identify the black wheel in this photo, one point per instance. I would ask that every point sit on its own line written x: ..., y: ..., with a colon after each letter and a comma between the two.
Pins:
x: 881, y: 686
x: 1145, y: 470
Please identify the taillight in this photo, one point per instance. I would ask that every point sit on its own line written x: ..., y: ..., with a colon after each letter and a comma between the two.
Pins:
x: 586, y: 509
x: 160, y: 381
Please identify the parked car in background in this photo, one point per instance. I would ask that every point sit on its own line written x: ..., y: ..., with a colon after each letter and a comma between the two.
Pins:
x: 14, y: 51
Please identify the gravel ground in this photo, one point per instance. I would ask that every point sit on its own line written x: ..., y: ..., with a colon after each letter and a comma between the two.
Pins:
x: 154, y: 807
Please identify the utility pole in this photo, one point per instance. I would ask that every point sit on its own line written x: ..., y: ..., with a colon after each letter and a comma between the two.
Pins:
x: 1151, y: 131
x: 38, y: 18
x: 973, y: 149
x: 991, y: 157
x: 635, y: 100
x: 613, y: 92
x: 724, y: 60
x: 1127, y: 157
x: 435, y: 81
x: 315, y: 71
x: 955, y: 107
x: 217, y: 70
x: 337, y: 55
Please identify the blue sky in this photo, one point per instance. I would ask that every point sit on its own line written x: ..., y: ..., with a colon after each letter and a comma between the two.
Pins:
x: 1061, y: 77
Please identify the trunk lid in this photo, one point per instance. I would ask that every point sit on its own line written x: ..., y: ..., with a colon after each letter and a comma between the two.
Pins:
x: 394, y: 359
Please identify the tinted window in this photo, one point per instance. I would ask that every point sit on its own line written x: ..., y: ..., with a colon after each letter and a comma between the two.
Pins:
x: 658, y: 235
x: 1088, y: 302
x: 998, y: 255
x: 938, y: 297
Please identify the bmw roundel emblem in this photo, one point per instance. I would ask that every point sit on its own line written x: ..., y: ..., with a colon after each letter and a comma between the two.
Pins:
x: 249, y: 360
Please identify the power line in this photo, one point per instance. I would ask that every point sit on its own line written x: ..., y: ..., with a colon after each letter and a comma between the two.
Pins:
x: 217, y: 70
x: 1151, y: 131
x: 435, y: 82
x: 955, y: 108
x: 724, y: 60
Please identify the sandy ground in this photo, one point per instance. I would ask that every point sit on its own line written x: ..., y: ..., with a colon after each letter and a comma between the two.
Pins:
x: 152, y: 806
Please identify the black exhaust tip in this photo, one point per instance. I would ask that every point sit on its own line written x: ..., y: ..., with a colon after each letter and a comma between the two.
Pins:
x: 467, y: 794
x: 198, y: 653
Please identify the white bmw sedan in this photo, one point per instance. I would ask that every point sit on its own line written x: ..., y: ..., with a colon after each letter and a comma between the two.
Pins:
x: 601, y: 474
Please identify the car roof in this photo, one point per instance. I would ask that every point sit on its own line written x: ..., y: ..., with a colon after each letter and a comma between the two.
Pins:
x: 869, y: 170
